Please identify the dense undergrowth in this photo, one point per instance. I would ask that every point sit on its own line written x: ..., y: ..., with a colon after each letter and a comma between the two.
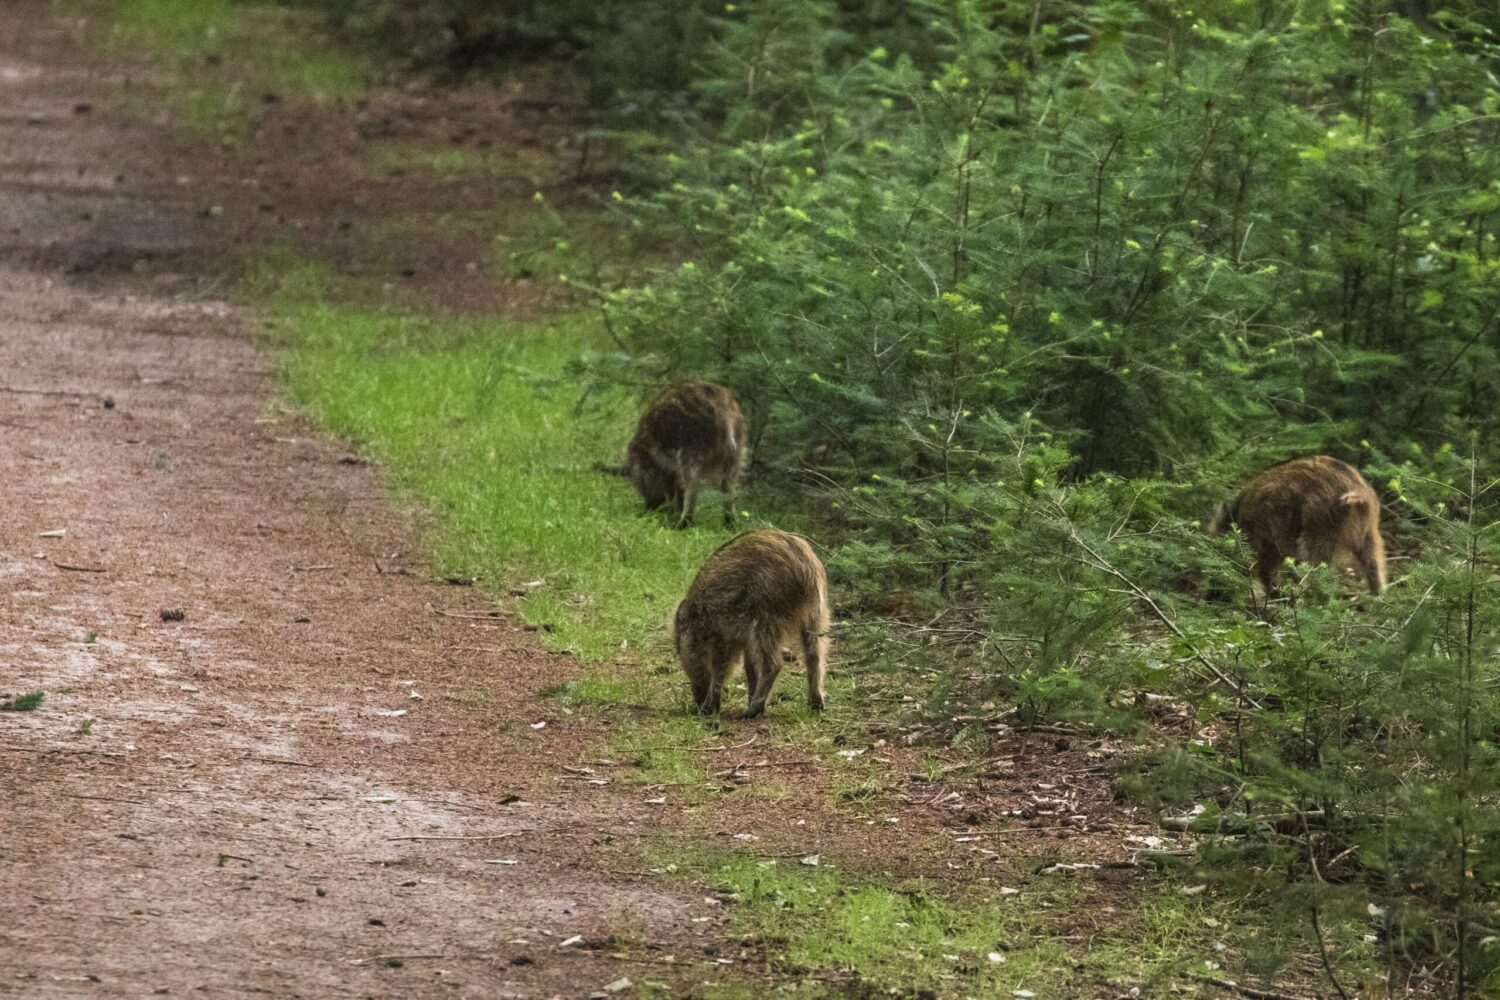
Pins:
x: 1015, y: 293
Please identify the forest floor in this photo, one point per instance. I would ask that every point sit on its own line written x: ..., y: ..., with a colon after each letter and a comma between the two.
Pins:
x: 279, y: 753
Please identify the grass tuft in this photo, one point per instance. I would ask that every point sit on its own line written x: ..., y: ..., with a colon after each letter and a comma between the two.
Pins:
x: 28, y: 702
x: 232, y: 54
x: 179, y: 29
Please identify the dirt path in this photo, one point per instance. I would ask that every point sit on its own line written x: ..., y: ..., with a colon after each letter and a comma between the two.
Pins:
x: 229, y: 821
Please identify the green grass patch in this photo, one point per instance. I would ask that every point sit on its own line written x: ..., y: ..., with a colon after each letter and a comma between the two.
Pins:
x: 454, y: 163
x: 480, y: 421
x: 656, y: 729
x: 177, y: 29
x: 1167, y: 938
x: 663, y: 752
x: 602, y: 689
x: 28, y: 702
x: 846, y: 933
x: 235, y: 53
x: 843, y: 932
x: 214, y: 108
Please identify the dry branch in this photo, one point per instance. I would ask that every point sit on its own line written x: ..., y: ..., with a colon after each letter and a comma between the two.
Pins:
x: 493, y: 836
x: 278, y: 760
x: 1249, y: 991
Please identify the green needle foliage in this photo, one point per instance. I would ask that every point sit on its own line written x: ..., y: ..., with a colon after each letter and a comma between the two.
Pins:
x: 1348, y: 769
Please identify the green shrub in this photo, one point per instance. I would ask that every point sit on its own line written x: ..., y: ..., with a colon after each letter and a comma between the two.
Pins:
x: 1022, y: 297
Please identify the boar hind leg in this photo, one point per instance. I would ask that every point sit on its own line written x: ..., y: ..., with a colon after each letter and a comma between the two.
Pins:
x: 815, y: 657
x: 708, y: 678
x: 702, y: 684
x: 708, y: 704
x: 752, y: 676
x: 1268, y: 560
x: 692, y: 480
x: 706, y: 689
x: 1370, y: 557
x: 764, y: 651
x: 729, y: 485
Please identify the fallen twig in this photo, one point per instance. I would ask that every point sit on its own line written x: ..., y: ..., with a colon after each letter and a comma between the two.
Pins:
x: 480, y: 615
x: 1034, y: 829
x: 1240, y: 822
x: 278, y: 760
x: 104, y: 798
x: 44, y: 392
x: 1064, y: 866
x: 742, y: 766
x: 493, y: 836
x: 1323, y: 951
x: 396, y: 958
x: 94, y: 753
x: 1249, y: 991
x: 312, y: 569
x: 789, y: 854
x: 79, y: 569
x: 668, y: 960
x: 736, y: 746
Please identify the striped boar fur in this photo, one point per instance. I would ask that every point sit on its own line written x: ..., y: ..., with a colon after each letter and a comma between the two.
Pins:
x: 688, y: 435
x: 1313, y: 510
x: 758, y: 590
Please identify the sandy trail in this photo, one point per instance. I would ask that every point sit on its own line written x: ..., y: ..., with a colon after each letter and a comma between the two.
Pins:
x: 224, y: 823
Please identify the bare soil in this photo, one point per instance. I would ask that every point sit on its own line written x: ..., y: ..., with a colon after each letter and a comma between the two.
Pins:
x: 232, y: 821
x: 326, y: 776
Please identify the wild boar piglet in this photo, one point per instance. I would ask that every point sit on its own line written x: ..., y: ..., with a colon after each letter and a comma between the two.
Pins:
x: 758, y: 590
x: 688, y: 435
x: 1313, y: 510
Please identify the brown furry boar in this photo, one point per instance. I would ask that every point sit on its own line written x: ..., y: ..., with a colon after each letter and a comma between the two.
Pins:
x: 754, y: 592
x: 688, y: 434
x: 1315, y: 510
